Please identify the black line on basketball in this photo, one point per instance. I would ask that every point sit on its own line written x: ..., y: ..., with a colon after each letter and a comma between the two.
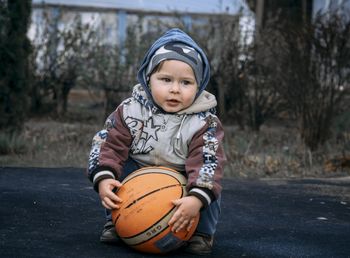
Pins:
x: 145, y: 195
x: 116, y: 219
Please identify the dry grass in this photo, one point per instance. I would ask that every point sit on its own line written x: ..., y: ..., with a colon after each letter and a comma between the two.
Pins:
x: 275, y: 152
x: 53, y: 144
x: 60, y: 142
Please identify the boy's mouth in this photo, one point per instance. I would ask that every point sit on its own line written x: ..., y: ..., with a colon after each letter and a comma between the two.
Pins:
x: 172, y: 102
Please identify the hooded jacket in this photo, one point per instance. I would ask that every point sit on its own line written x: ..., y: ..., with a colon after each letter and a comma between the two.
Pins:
x: 189, y: 141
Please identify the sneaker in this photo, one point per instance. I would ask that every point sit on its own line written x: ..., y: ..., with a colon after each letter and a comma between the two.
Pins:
x: 199, y: 244
x: 109, y: 235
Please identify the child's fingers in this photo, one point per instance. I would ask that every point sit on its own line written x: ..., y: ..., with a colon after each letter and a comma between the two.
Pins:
x: 190, y: 224
x: 113, y: 193
x: 180, y: 224
x: 177, y: 213
x: 104, y: 204
x: 109, y: 204
x: 116, y: 184
x: 115, y: 198
x: 176, y: 202
x: 174, y: 218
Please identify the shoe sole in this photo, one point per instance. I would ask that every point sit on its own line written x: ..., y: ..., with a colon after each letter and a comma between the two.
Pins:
x: 109, y: 240
x: 197, y: 253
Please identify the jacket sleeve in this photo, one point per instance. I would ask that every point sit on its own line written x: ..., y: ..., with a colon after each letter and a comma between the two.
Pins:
x: 205, y: 162
x: 110, y: 149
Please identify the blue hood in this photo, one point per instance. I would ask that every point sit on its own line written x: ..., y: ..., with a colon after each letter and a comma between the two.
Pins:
x: 173, y: 35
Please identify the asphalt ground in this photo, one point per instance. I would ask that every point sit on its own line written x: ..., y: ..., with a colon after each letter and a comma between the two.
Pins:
x: 54, y: 212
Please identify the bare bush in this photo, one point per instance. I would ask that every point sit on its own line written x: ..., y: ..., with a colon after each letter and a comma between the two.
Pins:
x: 242, y: 71
x: 314, y: 73
x: 113, y: 68
x: 57, y: 60
x: 262, y: 100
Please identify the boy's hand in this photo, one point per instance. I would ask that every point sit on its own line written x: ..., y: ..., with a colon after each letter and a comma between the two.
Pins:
x: 109, y: 199
x: 187, y: 208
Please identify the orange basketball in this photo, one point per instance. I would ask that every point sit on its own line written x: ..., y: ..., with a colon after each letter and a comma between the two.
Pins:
x: 142, y: 220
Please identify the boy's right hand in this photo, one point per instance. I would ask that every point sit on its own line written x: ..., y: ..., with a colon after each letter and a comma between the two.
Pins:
x: 108, y: 198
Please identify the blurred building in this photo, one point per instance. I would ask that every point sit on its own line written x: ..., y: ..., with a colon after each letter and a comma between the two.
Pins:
x: 116, y: 15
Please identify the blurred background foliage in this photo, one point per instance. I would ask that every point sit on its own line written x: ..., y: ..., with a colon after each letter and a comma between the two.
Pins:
x: 294, y: 75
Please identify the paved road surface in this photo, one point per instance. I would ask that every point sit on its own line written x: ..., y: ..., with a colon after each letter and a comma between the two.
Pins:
x: 55, y: 213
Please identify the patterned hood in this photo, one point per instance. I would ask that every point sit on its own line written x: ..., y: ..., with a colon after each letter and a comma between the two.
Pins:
x: 173, y: 35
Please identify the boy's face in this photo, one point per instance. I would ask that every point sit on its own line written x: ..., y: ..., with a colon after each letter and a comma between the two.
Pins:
x: 173, y: 86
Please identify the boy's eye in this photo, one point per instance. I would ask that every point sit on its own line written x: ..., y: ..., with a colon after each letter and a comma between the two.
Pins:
x: 165, y: 79
x: 186, y: 83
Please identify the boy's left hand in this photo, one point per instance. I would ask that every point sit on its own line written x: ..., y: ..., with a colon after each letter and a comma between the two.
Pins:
x: 187, y: 208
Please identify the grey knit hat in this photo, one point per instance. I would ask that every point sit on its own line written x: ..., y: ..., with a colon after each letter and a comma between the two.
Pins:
x: 180, y: 52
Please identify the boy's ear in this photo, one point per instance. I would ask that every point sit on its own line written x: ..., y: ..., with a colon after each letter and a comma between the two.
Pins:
x: 148, y: 80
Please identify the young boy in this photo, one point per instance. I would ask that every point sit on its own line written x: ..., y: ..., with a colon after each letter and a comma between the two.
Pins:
x: 168, y: 121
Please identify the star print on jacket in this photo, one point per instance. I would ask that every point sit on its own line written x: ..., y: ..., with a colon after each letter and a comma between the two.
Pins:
x: 142, y: 132
x: 150, y: 130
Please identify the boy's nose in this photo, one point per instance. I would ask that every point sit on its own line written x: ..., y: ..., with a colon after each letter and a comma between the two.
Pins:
x: 175, y: 87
